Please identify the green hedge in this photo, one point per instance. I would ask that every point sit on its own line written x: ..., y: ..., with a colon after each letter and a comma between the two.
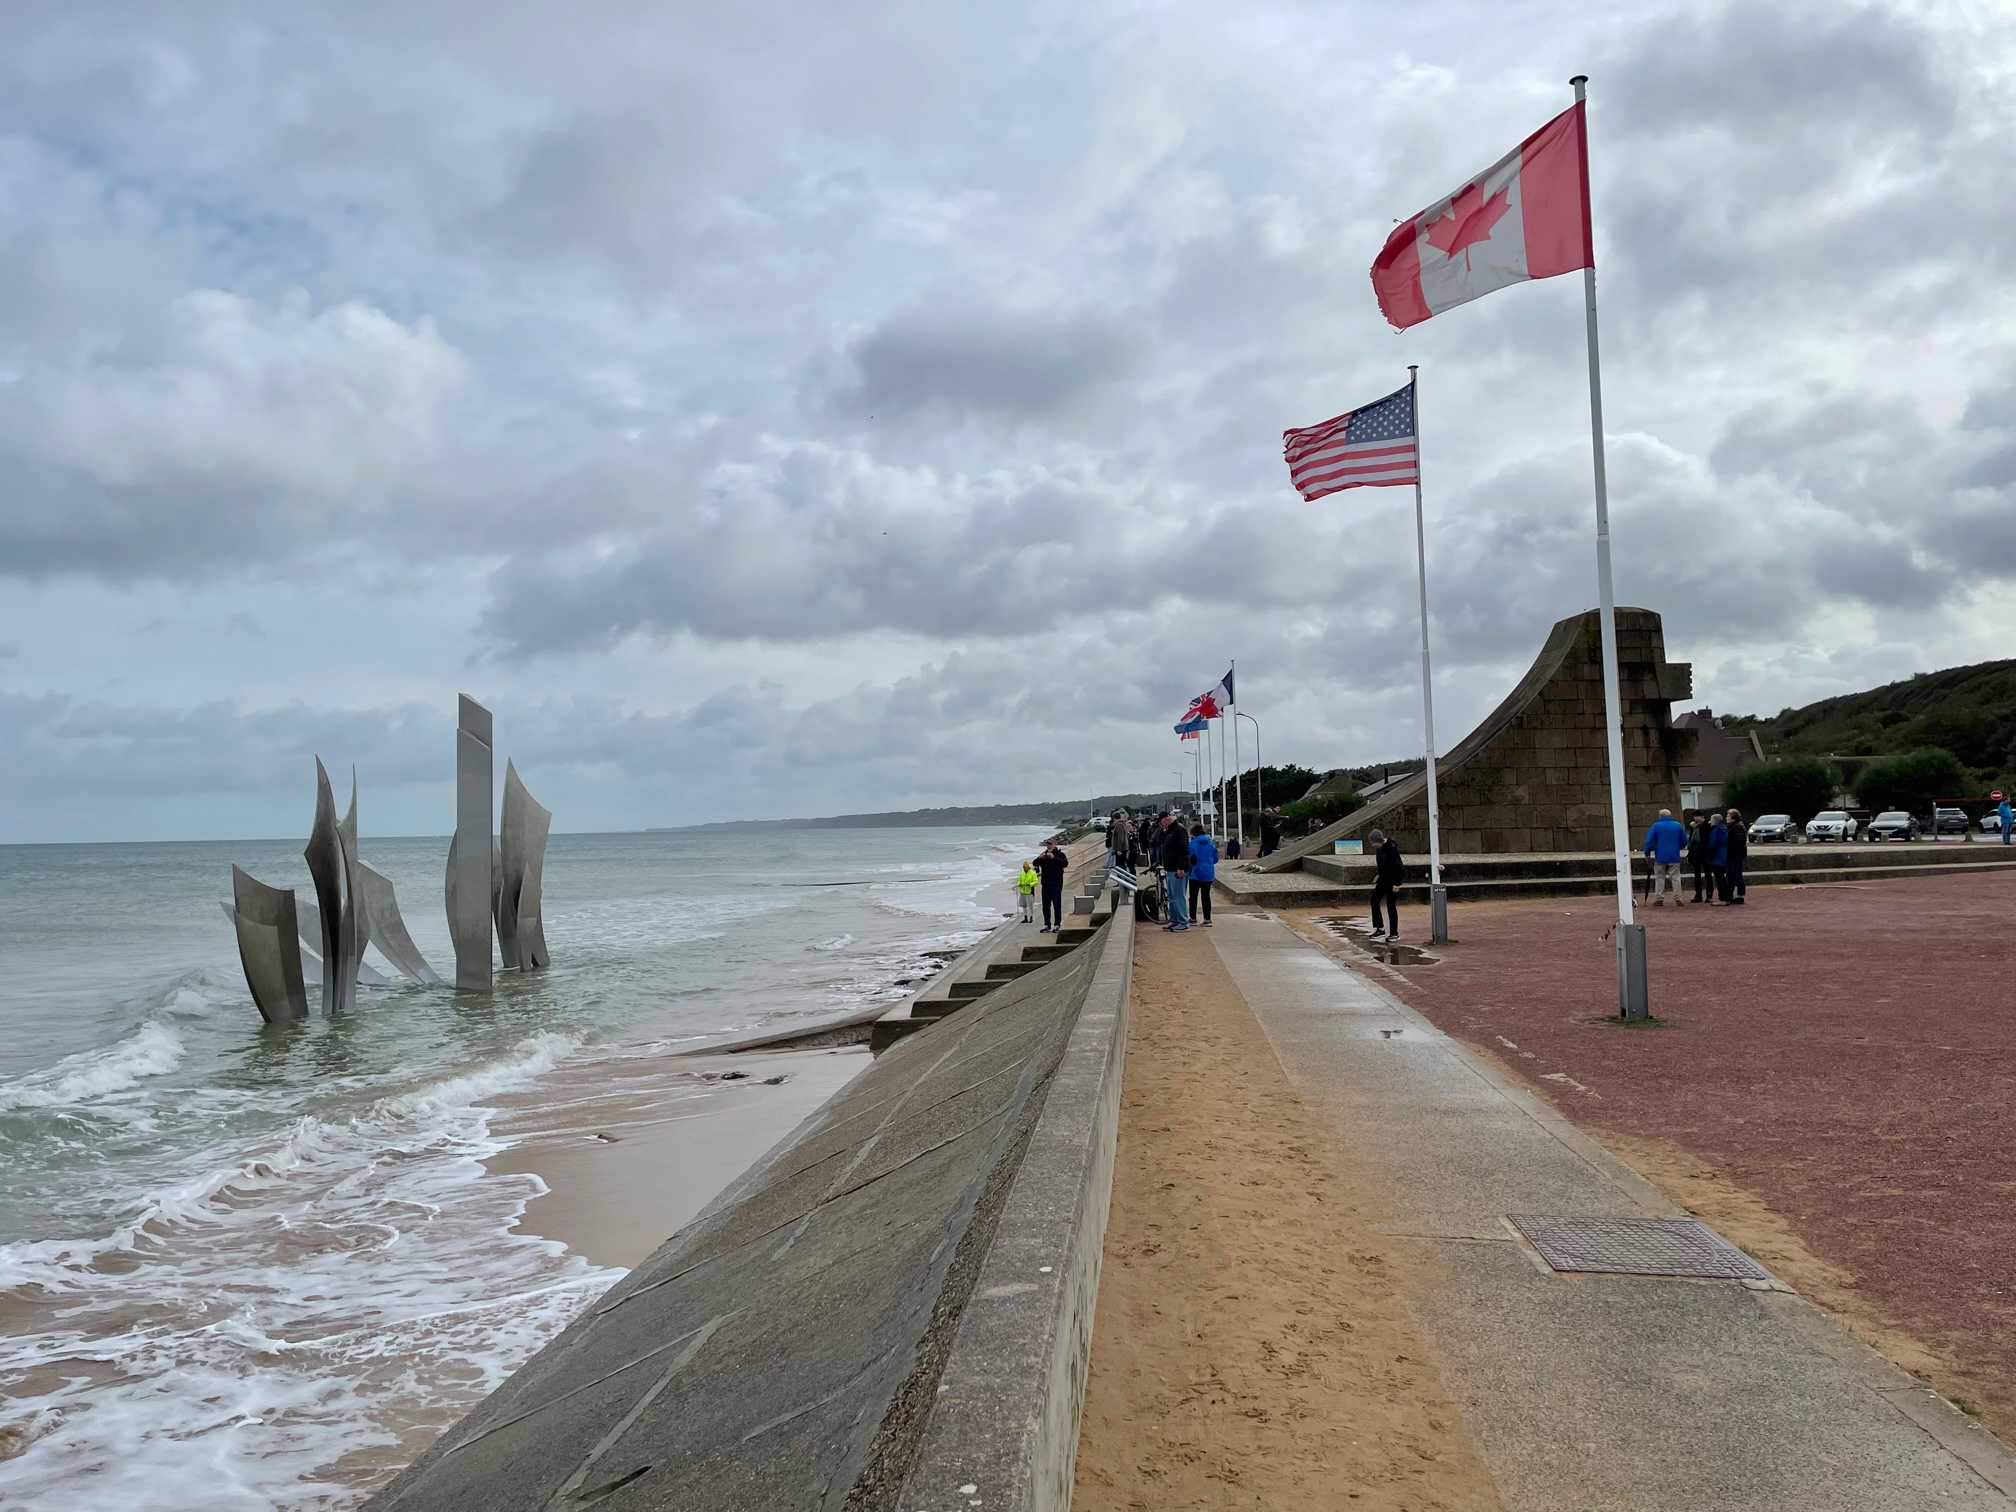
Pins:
x: 1912, y: 781
x: 1801, y: 787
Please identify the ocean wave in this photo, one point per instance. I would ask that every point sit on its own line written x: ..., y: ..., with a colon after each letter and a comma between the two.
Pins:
x: 153, y: 1049
x: 838, y: 942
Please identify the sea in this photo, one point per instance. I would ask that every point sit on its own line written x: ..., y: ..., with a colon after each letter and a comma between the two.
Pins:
x: 239, y: 1263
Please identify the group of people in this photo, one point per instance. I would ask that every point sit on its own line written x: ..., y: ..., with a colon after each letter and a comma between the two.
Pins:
x: 1044, y: 873
x: 1186, y: 855
x: 1714, y: 843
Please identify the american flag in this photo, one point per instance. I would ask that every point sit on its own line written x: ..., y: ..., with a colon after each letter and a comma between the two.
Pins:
x: 1362, y: 448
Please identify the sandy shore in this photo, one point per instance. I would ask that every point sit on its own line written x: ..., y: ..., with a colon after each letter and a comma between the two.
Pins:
x: 631, y: 1152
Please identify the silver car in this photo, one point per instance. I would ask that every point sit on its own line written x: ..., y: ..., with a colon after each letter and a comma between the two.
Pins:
x: 1774, y: 827
x: 1894, y: 824
x: 1831, y: 825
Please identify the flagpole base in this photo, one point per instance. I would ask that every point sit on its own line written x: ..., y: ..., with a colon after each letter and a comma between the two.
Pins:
x: 1633, y: 993
x: 1438, y: 914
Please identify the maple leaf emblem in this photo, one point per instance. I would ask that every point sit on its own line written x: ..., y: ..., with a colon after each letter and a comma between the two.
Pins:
x: 1469, y: 221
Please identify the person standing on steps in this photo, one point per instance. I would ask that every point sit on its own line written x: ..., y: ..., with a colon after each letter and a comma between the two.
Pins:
x: 1051, y: 866
x: 1025, y: 885
x: 1665, y: 843
x: 1739, y: 852
x: 1386, y: 883
x: 1270, y: 832
x: 1174, y: 842
x: 1203, y: 869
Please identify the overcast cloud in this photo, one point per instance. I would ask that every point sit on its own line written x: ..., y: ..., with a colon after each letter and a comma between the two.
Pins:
x: 777, y: 410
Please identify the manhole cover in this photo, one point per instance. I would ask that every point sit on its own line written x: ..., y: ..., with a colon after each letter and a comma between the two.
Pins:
x: 1638, y: 1247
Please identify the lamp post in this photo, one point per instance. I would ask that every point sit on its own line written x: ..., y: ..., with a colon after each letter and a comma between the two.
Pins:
x: 1259, y: 775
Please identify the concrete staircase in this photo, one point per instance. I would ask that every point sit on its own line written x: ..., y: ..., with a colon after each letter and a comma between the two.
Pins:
x: 943, y: 999
x: 1325, y: 881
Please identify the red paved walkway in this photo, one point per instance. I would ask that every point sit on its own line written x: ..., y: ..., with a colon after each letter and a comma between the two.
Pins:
x: 1846, y: 1053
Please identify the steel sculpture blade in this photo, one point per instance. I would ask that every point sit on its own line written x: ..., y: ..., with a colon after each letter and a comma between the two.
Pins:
x: 311, y: 960
x: 471, y: 870
x: 332, y: 865
x: 521, y: 868
x: 269, y: 946
x: 385, y: 926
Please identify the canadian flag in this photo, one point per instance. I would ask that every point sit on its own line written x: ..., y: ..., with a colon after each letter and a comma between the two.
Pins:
x: 1527, y: 216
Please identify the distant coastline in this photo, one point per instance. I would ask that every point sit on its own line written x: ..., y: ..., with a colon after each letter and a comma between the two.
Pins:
x: 990, y: 813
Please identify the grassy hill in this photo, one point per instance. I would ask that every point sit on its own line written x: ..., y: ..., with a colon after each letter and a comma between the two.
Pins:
x: 1970, y: 711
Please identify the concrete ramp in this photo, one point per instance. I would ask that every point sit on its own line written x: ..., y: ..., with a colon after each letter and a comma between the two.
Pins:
x: 790, y: 1348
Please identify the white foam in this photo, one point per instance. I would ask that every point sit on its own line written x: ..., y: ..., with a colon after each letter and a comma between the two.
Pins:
x: 838, y: 942
x: 153, y: 1049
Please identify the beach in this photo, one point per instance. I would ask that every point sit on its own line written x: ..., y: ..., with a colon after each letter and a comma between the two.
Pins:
x: 259, y: 1267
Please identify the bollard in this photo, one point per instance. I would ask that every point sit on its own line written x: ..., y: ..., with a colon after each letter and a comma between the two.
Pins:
x: 1438, y: 914
x: 1633, y: 996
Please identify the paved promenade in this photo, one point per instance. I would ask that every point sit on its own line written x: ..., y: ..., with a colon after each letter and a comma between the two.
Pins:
x: 1584, y: 1391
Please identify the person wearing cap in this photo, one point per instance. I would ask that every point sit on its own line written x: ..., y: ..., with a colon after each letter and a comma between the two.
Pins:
x: 1050, y: 867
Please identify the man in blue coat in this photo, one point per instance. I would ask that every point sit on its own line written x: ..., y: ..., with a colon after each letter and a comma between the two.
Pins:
x: 1665, y: 844
x: 2008, y: 817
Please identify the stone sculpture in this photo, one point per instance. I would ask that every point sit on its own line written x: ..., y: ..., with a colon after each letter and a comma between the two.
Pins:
x: 268, y: 946
x: 471, y: 869
x: 521, y: 938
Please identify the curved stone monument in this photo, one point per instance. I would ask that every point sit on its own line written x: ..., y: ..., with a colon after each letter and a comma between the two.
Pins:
x: 1535, y: 776
x: 521, y: 863
x: 269, y: 946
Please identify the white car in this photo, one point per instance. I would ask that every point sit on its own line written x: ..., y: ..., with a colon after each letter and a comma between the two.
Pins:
x: 1991, y: 823
x: 1831, y: 825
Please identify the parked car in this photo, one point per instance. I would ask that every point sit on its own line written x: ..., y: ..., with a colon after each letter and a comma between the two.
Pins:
x: 1773, y: 827
x: 1949, y: 821
x: 1833, y: 824
x: 1894, y: 824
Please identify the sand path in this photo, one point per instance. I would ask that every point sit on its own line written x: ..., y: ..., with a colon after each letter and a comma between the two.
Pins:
x: 1250, y: 1347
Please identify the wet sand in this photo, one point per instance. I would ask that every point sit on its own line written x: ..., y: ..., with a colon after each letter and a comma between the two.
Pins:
x: 631, y: 1154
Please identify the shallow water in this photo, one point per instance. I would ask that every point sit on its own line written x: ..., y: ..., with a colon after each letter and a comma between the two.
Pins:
x: 249, y: 1267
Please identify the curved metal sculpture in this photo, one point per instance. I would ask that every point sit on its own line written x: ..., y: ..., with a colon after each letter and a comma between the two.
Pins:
x: 269, y: 946
x: 471, y: 871
x: 311, y: 942
x: 384, y: 926
x: 521, y: 867
x: 332, y: 862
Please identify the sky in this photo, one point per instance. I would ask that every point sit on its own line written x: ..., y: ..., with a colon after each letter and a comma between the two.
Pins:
x: 775, y: 410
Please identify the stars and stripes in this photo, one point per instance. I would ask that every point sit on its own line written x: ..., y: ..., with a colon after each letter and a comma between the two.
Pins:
x: 1362, y: 448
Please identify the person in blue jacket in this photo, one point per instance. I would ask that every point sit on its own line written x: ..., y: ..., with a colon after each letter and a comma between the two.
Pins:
x: 1718, y: 857
x: 1203, y: 868
x: 2008, y: 817
x: 1665, y: 844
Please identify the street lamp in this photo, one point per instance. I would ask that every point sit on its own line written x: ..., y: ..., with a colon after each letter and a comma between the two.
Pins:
x: 1259, y: 775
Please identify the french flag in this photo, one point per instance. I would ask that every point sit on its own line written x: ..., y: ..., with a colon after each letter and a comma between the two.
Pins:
x: 1527, y: 216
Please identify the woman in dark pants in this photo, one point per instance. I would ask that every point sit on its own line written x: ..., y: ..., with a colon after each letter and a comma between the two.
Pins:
x: 1739, y: 852
x: 1203, y: 868
x: 1697, y: 857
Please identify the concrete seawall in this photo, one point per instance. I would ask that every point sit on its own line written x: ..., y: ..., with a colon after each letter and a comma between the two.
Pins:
x: 893, y: 1305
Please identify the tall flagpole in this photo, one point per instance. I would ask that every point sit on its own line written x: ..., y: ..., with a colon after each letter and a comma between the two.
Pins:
x: 1438, y: 896
x: 1631, y: 983
x: 1238, y: 766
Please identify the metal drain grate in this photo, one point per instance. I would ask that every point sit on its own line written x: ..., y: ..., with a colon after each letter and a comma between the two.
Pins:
x: 1638, y: 1247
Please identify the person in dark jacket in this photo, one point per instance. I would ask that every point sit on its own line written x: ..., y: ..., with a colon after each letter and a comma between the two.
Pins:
x: 1386, y: 884
x: 1270, y: 832
x: 1718, y: 857
x: 1203, y: 868
x: 1051, y: 866
x: 1697, y: 857
x: 1739, y: 852
x: 1174, y: 840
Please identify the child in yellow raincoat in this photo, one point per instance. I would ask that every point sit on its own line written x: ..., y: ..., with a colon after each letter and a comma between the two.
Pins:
x: 1026, y: 886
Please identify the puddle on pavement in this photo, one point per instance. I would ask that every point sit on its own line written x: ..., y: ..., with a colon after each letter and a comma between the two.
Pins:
x: 1357, y: 933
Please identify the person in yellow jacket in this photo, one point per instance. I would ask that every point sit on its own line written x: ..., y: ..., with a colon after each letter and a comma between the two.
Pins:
x: 1026, y: 886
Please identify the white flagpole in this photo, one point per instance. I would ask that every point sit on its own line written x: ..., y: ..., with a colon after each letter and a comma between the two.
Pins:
x: 1630, y: 939
x: 1438, y: 905
x: 1238, y: 765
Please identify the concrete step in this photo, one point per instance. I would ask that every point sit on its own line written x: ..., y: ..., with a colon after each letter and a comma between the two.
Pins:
x: 968, y: 990
x: 1591, y: 884
x: 1042, y: 953
x: 885, y: 1032
x: 1074, y: 934
x: 1003, y: 971
x: 937, y: 1008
